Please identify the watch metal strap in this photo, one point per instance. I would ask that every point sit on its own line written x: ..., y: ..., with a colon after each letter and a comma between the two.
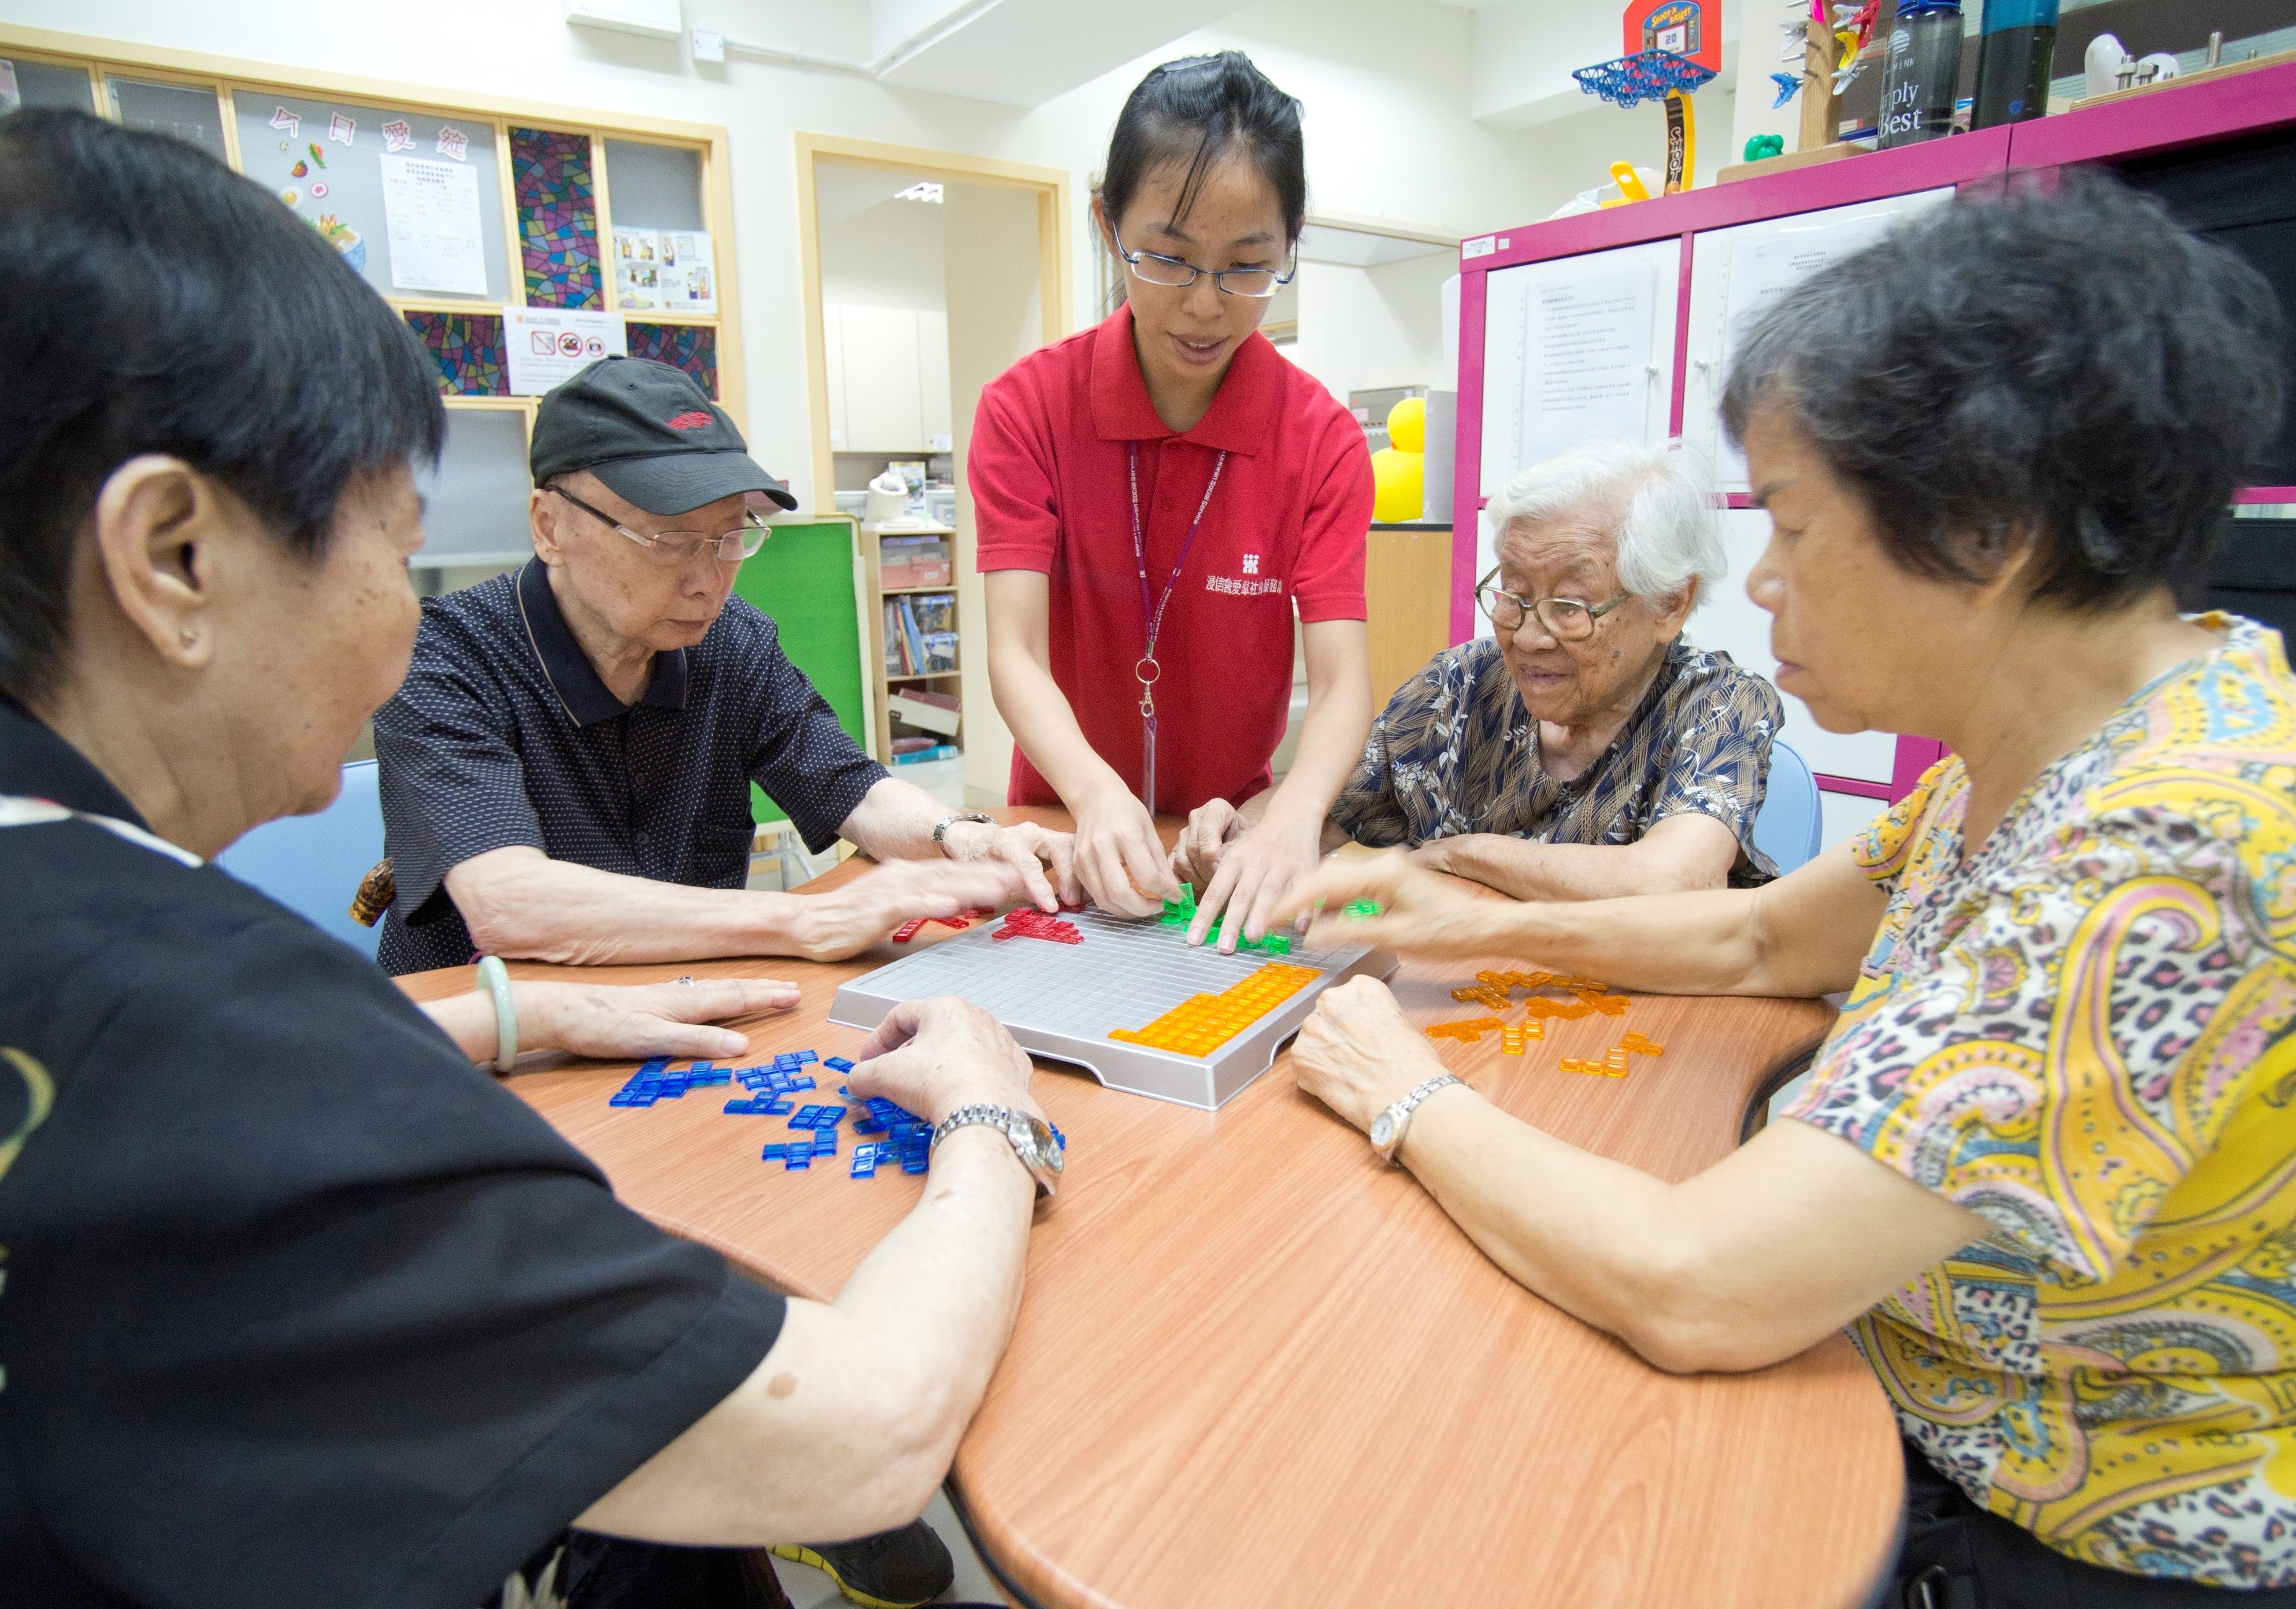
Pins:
x: 947, y: 822
x: 1043, y: 1165
x: 1402, y: 1109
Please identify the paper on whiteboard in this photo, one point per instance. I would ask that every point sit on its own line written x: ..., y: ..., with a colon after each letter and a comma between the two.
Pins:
x: 664, y: 270
x: 1763, y: 270
x: 1586, y: 373
x: 431, y: 210
x: 546, y: 346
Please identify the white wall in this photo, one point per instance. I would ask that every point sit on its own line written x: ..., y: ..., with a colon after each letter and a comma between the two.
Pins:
x: 889, y: 255
x: 1387, y: 86
x: 1361, y: 328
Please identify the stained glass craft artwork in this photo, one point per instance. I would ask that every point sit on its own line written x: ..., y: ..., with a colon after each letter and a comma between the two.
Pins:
x: 557, y: 218
x: 693, y: 348
x: 468, y: 347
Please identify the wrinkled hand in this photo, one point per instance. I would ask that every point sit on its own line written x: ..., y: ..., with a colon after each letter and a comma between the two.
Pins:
x: 1212, y: 826
x: 614, y: 1023
x: 1119, y: 859
x: 1419, y: 910
x: 934, y: 1055
x: 1032, y: 851
x: 1358, y: 1054
x: 1254, y: 872
x: 843, y: 921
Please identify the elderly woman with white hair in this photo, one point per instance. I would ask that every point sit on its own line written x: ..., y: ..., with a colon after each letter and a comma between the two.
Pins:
x: 1588, y: 750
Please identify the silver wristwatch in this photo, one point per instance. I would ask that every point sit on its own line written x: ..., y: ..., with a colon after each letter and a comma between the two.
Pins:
x: 1387, y: 1128
x: 1041, y: 1148
x: 946, y: 822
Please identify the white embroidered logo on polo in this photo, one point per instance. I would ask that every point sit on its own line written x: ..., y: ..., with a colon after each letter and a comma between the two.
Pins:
x: 1251, y: 564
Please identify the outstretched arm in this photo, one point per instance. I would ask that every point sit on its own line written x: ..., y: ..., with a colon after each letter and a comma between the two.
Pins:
x: 1680, y: 854
x: 849, y: 1424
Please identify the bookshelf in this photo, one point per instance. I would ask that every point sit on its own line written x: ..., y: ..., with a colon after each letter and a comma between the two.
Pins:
x: 915, y: 660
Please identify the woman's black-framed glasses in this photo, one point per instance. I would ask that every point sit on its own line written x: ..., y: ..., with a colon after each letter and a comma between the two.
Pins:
x: 677, y: 547
x: 1154, y: 269
x: 1566, y: 619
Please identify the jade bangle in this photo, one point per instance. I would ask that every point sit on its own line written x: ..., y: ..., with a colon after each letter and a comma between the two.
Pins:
x: 496, y: 976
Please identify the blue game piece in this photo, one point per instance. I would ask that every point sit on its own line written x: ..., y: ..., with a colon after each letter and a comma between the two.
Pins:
x: 915, y: 1164
x: 831, y: 1116
x: 652, y: 1069
x: 774, y: 1152
x: 809, y: 1056
x: 803, y: 1083
x: 838, y: 1064
x: 825, y: 1142
x: 739, y: 1108
x: 867, y: 1125
x: 778, y: 1106
x: 701, y: 1067
x: 864, y: 1167
x: 797, y: 1157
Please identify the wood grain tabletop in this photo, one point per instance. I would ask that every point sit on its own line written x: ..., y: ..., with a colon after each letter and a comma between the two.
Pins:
x: 1254, y: 1367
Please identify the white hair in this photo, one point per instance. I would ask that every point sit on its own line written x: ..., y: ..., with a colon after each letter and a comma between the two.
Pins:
x: 1656, y: 503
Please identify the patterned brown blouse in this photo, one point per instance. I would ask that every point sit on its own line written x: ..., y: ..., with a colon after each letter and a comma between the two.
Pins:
x: 1455, y: 752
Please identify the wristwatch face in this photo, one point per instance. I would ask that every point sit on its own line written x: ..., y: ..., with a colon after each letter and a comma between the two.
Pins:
x: 1034, y: 1139
x: 1383, y: 1130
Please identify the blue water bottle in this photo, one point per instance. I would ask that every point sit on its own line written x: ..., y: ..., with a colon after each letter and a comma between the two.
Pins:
x: 2013, y: 61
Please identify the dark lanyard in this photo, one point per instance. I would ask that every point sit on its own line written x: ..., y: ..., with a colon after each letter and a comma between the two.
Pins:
x: 1148, y: 671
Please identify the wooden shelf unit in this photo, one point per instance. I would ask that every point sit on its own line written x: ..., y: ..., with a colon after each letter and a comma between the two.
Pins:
x: 875, y: 592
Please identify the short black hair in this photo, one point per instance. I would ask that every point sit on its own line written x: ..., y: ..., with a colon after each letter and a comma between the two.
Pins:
x: 157, y: 302
x: 2065, y: 370
x: 1196, y: 111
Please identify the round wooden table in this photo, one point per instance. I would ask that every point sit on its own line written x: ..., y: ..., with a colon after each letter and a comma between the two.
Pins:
x: 1254, y: 1367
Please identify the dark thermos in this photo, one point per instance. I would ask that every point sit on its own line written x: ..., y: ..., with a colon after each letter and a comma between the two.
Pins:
x: 2013, y: 61
x: 1923, y: 75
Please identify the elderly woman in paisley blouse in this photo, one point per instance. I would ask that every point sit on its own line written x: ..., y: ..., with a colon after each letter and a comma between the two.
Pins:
x: 1587, y: 750
x: 2045, y: 1168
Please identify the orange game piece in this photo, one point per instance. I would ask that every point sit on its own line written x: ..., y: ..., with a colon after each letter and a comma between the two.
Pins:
x: 1202, y: 1022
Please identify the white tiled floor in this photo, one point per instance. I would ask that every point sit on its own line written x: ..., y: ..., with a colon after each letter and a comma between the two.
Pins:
x: 809, y: 1588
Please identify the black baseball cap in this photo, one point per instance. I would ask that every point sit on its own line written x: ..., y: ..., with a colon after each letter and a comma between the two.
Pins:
x: 651, y: 433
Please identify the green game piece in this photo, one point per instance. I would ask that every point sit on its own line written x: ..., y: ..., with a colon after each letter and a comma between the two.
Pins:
x: 1276, y: 944
x: 1179, y: 912
x: 1360, y: 908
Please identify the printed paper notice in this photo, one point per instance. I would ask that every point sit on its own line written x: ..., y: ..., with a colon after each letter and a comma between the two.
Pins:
x: 548, y: 345
x: 664, y: 270
x: 1586, y: 371
x: 1763, y: 270
x: 432, y: 212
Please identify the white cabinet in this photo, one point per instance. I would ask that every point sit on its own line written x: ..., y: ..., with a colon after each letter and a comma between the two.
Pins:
x: 888, y: 380
x: 932, y: 378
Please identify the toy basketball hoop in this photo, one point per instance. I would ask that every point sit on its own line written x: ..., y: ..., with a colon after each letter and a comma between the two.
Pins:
x: 1672, y: 48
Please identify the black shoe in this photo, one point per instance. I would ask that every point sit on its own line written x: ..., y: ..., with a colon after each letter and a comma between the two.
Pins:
x: 892, y: 1570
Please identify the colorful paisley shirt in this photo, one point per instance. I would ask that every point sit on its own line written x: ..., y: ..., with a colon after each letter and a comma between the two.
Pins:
x: 1455, y: 752
x: 2081, y: 1034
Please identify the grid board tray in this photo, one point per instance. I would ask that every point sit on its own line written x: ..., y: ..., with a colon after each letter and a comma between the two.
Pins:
x: 1060, y: 1001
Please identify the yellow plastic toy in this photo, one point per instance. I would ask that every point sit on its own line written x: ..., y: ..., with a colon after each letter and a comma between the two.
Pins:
x: 1406, y: 425
x: 1398, y: 473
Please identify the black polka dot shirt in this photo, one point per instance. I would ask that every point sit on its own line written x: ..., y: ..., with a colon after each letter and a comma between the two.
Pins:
x: 502, y: 734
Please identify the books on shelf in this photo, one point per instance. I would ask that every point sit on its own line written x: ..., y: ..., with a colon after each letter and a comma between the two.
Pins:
x: 927, y: 711
x: 939, y: 751
x: 920, y: 634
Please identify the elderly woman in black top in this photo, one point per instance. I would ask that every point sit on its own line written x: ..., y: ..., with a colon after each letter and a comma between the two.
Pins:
x: 276, y: 1253
x: 1587, y: 749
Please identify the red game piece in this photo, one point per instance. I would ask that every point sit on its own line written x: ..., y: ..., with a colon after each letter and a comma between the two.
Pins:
x: 907, y: 930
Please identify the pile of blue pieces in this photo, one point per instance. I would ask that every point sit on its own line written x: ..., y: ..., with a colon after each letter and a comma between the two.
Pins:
x: 770, y: 1086
x: 907, y: 1136
x: 655, y: 1082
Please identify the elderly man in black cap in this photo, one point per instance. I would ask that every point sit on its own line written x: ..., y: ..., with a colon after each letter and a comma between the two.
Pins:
x: 566, y: 772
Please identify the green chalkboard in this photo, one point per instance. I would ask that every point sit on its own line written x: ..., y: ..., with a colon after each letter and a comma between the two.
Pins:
x: 803, y: 577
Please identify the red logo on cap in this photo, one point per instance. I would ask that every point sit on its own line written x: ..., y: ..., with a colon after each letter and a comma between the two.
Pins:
x: 695, y: 421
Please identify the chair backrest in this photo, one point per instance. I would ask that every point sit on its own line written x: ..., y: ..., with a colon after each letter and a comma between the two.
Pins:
x: 1791, y: 826
x: 313, y: 865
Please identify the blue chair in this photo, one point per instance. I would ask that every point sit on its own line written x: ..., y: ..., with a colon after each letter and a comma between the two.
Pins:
x: 313, y: 865
x: 1790, y: 827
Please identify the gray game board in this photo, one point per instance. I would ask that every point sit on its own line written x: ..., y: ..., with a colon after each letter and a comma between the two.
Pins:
x: 1060, y: 1001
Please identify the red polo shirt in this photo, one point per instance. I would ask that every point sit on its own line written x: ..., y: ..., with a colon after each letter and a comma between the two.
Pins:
x: 1285, y: 526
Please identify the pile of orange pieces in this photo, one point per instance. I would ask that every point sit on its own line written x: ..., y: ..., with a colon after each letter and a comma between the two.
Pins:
x: 1490, y: 989
x: 1203, y: 1023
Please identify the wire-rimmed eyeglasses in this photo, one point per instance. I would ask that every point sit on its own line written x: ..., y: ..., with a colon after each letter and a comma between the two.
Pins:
x: 1566, y: 619
x: 677, y: 547
x: 1154, y: 268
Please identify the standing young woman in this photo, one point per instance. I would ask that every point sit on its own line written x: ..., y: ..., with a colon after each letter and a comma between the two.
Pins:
x: 1154, y: 495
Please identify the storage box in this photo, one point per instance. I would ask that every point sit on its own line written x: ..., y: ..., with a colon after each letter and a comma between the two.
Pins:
x: 904, y: 561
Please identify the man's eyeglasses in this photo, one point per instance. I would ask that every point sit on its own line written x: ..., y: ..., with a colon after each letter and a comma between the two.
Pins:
x: 1566, y: 619
x: 1258, y: 283
x: 677, y: 547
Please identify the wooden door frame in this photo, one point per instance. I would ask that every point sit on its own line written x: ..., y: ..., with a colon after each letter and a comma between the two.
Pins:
x: 1050, y: 185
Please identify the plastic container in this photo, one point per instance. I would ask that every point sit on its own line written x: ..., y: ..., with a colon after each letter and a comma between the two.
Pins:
x: 2013, y: 61
x: 1924, y: 72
